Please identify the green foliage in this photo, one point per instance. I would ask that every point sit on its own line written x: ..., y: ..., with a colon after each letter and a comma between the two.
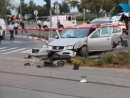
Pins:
x: 89, y: 16
x: 39, y: 36
x: 121, y: 58
x: 96, y: 5
x: 107, y: 58
x: 81, y: 61
x: 97, y: 63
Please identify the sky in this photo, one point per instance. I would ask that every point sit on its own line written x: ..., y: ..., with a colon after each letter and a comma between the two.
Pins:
x: 40, y: 2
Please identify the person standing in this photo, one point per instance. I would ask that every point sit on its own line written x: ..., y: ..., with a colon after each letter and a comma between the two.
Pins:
x: 39, y: 23
x: 58, y: 23
x: 1, y: 31
x: 16, y: 25
x: 22, y: 27
x: 11, y: 30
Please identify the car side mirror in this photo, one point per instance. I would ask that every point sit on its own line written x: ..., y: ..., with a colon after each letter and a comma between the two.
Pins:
x: 56, y: 37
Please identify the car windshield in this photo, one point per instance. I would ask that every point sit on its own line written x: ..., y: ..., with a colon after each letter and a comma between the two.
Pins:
x: 75, y: 33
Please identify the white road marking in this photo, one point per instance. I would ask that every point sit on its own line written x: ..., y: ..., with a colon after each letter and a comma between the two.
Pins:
x: 8, y: 49
x: 3, y: 48
x: 27, y: 51
x: 14, y: 51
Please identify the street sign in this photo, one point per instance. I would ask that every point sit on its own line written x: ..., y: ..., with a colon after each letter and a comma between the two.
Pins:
x: 56, y: 6
x: 35, y: 12
x: 57, y: 11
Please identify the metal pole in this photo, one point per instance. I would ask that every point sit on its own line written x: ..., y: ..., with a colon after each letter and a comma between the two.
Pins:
x: 21, y: 10
x: 50, y: 32
x: 57, y: 8
x: 50, y: 15
x: 36, y: 21
x: 84, y: 14
x: 129, y: 31
x: 57, y: 19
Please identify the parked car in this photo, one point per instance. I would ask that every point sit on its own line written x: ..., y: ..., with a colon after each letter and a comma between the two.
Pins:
x: 3, y: 25
x: 26, y: 16
x: 87, y: 38
x: 114, y: 20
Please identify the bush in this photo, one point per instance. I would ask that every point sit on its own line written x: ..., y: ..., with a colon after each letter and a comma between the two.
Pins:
x: 97, y: 63
x: 39, y: 36
x: 121, y: 58
x: 81, y: 61
x: 107, y: 58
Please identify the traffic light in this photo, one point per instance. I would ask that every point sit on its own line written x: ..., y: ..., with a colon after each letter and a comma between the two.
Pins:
x: 48, y: 3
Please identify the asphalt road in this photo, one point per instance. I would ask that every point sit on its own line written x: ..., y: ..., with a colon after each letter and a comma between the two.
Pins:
x: 18, y: 81
x: 21, y: 45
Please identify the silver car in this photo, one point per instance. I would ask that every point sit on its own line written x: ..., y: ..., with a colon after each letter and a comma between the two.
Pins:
x: 85, y: 38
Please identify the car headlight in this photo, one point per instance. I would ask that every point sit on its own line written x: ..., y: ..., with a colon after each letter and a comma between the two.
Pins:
x: 69, y: 47
x: 50, y: 47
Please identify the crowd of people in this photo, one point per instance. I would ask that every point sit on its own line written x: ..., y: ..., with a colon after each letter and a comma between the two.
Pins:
x: 14, y: 25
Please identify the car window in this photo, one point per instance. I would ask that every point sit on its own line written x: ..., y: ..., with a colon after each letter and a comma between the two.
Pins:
x: 105, y: 32
x: 96, y: 34
x: 117, y: 29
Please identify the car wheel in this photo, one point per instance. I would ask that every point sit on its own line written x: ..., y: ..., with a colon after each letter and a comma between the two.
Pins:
x: 83, y: 51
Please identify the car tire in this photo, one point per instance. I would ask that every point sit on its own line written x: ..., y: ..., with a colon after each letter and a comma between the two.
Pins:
x: 83, y: 51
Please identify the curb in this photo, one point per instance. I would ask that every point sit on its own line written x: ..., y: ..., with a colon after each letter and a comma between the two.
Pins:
x: 21, y: 60
x: 37, y: 38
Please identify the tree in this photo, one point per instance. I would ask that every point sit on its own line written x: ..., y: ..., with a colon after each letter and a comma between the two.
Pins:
x: 73, y: 3
x: 64, y: 8
x: 3, y: 7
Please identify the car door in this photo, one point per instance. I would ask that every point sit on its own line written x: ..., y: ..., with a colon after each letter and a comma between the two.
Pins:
x: 100, y: 40
x: 116, y: 33
x: 52, y: 35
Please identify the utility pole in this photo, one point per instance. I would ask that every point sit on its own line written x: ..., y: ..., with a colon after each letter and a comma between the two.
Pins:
x: 50, y: 15
x: 21, y: 10
x: 84, y: 13
x: 57, y: 12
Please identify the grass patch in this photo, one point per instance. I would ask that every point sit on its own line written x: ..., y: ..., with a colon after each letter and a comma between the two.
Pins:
x: 120, y: 60
x: 39, y: 36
